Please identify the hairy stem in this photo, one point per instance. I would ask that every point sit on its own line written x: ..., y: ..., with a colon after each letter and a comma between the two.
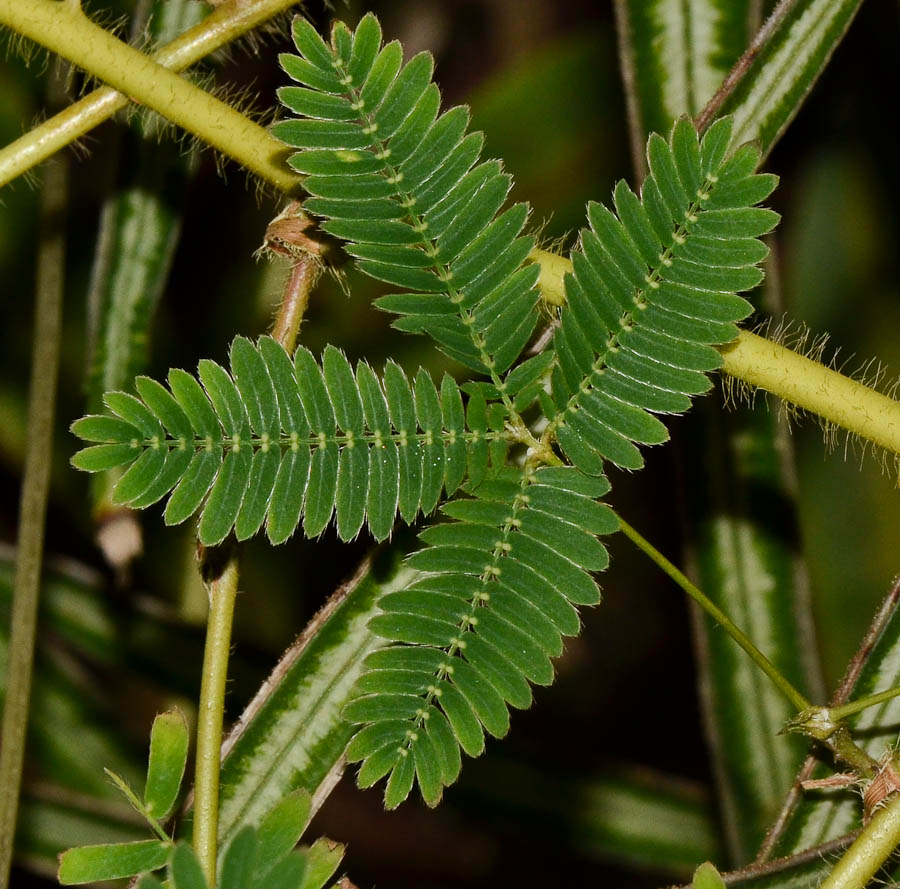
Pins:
x: 232, y: 19
x: 814, y: 387
x: 293, y: 235
x: 33, y: 504
x: 222, y: 585
x: 64, y: 29
x: 758, y: 870
x: 778, y: 680
x: 869, y: 851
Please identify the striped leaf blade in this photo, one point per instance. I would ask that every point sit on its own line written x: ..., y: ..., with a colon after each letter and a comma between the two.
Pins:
x: 299, y: 712
x: 781, y: 76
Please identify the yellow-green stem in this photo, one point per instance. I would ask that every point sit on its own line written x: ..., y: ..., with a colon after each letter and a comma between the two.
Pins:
x: 64, y: 29
x: 869, y: 851
x: 815, y: 388
x: 33, y: 502
x: 222, y: 593
x: 227, y: 23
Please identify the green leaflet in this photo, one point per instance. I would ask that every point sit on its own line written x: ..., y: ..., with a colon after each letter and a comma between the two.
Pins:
x: 637, y: 290
x: 402, y: 184
x: 462, y: 660
x: 707, y: 877
x: 676, y: 54
x: 168, y: 758
x: 292, y: 735
x: 279, y: 444
x: 91, y: 864
x: 780, y: 77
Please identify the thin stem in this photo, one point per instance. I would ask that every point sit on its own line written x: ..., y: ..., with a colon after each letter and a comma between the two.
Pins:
x: 292, y: 235
x: 869, y: 851
x: 65, y: 30
x: 757, y: 870
x: 835, y: 737
x: 33, y: 506
x: 814, y: 387
x: 301, y: 277
x: 743, y: 65
x: 856, y: 706
x: 138, y: 805
x: 716, y: 613
x: 222, y: 587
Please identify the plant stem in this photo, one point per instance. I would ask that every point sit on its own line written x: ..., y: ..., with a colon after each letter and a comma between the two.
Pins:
x: 869, y: 851
x: 814, y: 387
x: 222, y: 587
x: 33, y: 506
x: 716, y: 613
x: 232, y: 19
x: 64, y: 29
x: 637, y: 138
x: 220, y: 569
x: 846, y: 710
x: 292, y: 235
x: 743, y: 65
x: 759, y: 870
x: 301, y: 277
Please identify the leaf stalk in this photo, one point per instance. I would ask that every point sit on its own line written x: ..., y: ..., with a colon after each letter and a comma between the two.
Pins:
x: 716, y: 613
x: 835, y: 737
x: 849, y: 709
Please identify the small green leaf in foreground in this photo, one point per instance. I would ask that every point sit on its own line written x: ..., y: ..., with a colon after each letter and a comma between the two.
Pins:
x: 707, y: 877
x: 89, y: 864
x: 168, y: 756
